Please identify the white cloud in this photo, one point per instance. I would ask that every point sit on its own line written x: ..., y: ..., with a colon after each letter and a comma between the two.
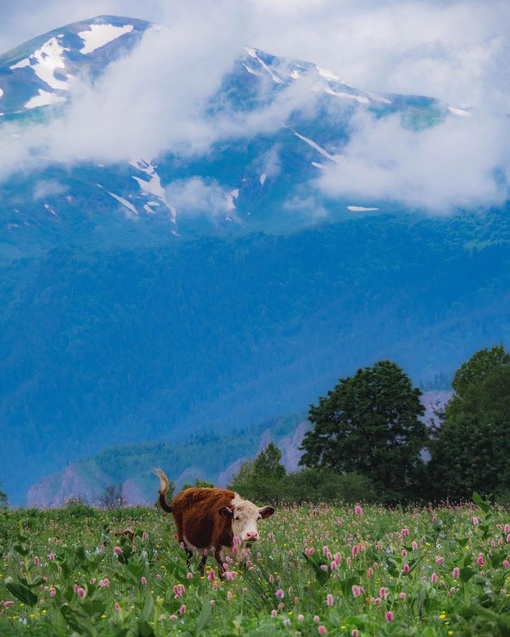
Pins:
x: 197, y: 196
x: 48, y: 188
x: 454, y: 164
x: 457, y: 50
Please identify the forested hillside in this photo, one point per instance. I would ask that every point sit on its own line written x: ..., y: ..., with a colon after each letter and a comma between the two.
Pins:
x: 103, y: 348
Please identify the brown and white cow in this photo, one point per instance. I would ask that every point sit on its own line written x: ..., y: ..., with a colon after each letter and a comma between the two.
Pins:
x: 208, y: 519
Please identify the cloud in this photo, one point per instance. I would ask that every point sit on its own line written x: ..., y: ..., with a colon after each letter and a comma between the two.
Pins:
x: 457, y: 51
x: 197, y: 196
x: 48, y: 188
x: 453, y: 165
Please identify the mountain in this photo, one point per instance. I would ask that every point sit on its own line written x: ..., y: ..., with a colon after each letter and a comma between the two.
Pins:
x: 203, y: 291
x: 255, y: 178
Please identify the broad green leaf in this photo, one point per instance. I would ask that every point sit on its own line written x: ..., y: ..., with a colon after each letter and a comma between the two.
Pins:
x: 21, y: 591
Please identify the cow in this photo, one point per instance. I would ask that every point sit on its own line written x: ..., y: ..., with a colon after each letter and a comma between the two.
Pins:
x: 208, y: 519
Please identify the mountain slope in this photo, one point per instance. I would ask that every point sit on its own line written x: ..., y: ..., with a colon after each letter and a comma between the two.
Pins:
x: 206, y: 288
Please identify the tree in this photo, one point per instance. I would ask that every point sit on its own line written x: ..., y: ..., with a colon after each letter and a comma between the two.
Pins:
x: 370, y: 424
x: 4, y: 500
x: 198, y: 483
x: 112, y: 497
x: 262, y: 479
x: 469, y: 450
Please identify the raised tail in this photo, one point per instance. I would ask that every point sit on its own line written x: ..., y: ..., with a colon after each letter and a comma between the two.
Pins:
x: 163, y: 488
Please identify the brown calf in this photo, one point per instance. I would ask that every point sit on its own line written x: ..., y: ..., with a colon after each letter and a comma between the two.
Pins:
x: 208, y: 519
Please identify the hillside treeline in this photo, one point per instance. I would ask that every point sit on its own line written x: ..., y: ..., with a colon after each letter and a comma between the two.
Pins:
x: 104, y: 348
x: 368, y: 439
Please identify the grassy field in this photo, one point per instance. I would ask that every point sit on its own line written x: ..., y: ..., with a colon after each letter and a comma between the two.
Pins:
x: 316, y: 570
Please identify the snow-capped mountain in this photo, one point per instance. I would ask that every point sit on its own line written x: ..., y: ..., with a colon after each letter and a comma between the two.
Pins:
x: 253, y: 177
x: 41, y: 72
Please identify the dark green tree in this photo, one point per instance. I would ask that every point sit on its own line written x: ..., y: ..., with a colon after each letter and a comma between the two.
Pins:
x: 470, y: 446
x: 262, y: 479
x: 370, y: 424
x: 320, y: 484
x: 4, y: 500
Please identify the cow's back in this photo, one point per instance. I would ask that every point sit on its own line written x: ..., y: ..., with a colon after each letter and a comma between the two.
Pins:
x: 197, y: 519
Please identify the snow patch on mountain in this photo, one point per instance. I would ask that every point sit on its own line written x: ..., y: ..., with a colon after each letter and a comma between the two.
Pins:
x: 43, y: 98
x: 124, y: 202
x: 315, y: 146
x: 45, y: 62
x: 101, y: 34
x: 152, y: 186
x: 361, y: 209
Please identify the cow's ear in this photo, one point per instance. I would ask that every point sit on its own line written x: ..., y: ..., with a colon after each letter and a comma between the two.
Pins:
x: 226, y: 513
x: 266, y: 512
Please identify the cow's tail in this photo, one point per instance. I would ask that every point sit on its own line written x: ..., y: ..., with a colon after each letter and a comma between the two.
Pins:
x: 163, y: 488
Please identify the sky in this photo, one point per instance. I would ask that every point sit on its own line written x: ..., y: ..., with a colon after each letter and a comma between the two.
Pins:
x: 456, y: 51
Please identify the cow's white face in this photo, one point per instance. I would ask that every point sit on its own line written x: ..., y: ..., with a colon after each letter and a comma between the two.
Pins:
x: 245, y: 516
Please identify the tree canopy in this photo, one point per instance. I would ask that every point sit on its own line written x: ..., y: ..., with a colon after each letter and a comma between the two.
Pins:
x: 469, y: 451
x: 370, y: 424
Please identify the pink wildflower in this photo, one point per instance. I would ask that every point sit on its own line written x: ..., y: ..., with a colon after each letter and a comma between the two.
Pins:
x: 456, y: 573
x: 358, y: 510
x: 357, y: 590
x: 280, y: 593
x: 182, y: 609
x: 117, y: 550
x: 330, y: 600
x: 143, y: 580
x: 322, y: 630
x: 389, y: 616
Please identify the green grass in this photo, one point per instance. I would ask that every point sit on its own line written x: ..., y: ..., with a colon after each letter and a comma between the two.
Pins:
x: 316, y: 570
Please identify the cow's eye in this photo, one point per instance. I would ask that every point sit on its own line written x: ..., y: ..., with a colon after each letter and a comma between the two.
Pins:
x: 236, y: 517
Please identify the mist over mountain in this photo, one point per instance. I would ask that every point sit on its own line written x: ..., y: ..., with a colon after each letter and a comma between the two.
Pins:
x: 192, y: 248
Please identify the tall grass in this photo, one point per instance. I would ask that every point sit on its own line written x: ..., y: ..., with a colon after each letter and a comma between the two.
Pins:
x: 316, y: 570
